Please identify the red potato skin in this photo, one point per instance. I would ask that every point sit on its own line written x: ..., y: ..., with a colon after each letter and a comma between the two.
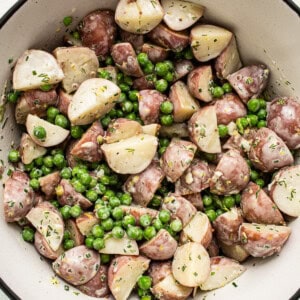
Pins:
x: 71, y: 159
x: 87, y: 148
x: 213, y: 248
x: 159, y: 270
x: 77, y: 265
x: 138, y: 211
x: 179, y: 208
x: 76, y: 236
x: 249, y: 82
x: 177, y: 158
x: 143, y: 186
x: 34, y: 102
x: 18, y: 197
x: 49, y: 182
x: 160, y: 247
x: 182, y: 68
x: 71, y: 197
x: 196, y: 200
x: 284, y: 119
x: 98, y: 32
x: 169, y: 39
x: 149, y: 105
x: 143, y: 83
x: 268, y: 152
x: 231, y: 175
x: 64, y: 100
x: 257, y: 206
x: 227, y: 227
x: 154, y: 52
x: 125, y: 58
x: 196, y: 178
x: 229, y: 108
x: 235, y: 142
x: 98, y: 285
x: 136, y: 40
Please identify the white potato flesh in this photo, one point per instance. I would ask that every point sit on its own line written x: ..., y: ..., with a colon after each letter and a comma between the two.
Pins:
x: 208, y: 41
x: 191, y: 264
x: 180, y: 15
x: 29, y: 150
x: 132, y: 155
x: 285, y: 191
x: 54, y: 134
x: 203, y: 129
x: 85, y: 222
x: 123, y: 246
x: 234, y: 251
x: 151, y: 129
x: 223, y: 270
x: 78, y: 65
x: 49, y: 223
x: 139, y: 16
x: 93, y: 99
x: 34, y: 69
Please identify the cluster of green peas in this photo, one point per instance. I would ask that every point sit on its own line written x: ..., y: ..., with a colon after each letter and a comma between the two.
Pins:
x: 144, y: 284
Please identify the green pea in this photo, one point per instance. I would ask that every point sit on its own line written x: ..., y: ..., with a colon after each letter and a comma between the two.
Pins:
x: 162, y: 150
x: 48, y: 161
x: 164, y: 142
x: 104, y: 258
x: 12, y: 97
x: 62, y: 121
x: 223, y: 130
x: 67, y: 235
x: 46, y: 87
x: 89, y: 242
x: 76, y: 132
x: 103, y: 213
x: 145, y: 220
x: 36, y: 173
x: 188, y: 53
x: 253, y: 105
x: 166, y: 107
x: 14, y: 156
x: 133, y: 232
x: 109, y: 60
x: 112, y: 113
x: 123, y: 97
x: 67, y: 21
x: 103, y: 74
x: 142, y: 293
x: 161, y: 85
x: 98, y: 244
x: 131, y: 116
x: 219, y: 212
x: 118, y: 232
x: 55, y: 203
x: 117, y: 213
x: 229, y: 201
x: 207, y: 200
x: 68, y: 244
x: 65, y: 212
x: 105, y: 121
x: 149, y: 232
x: 127, y: 106
x: 97, y: 231
x: 34, y: 183
x: 254, y: 175
x: 262, y: 114
x: 144, y: 282
x: 261, y: 123
x: 169, y: 76
x: 176, y: 225
x: 57, y: 151
x: 75, y: 211
x: 126, y: 199
x: 260, y: 182
x: 39, y: 161
x: 52, y: 112
x: 217, y: 92
x: 120, y: 113
x: 100, y: 189
x: 29, y: 167
x: 114, y: 201
x: 124, y: 87
x: 156, y: 201
x: 170, y: 65
x: 104, y: 180
x: 252, y: 120
x: 46, y: 170
x: 168, y: 228
x: 238, y: 198
x: 164, y: 215
x: 78, y: 171
x: 148, y: 68
x: 262, y: 103
x: 166, y: 120
x: 227, y: 88
x: 142, y: 59
x: 146, y: 297
x: 66, y: 173
x: 157, y: 224
x: 161, y: 69
x: 128, y: 220
x: 107, y: 224
x: 85, y: 179
x: 28, y: 234
x: 39, y: 132
x: 135, y: 107
x: 76, y: 35
x: 128, y: 80
x: 211, y: 214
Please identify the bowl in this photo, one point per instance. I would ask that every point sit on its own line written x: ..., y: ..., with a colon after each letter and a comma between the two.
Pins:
x: 267, y: 31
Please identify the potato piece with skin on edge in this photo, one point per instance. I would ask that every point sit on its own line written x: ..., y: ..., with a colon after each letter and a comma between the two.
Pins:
x: 155, y: 53
x: 152, y: 129
x: 182, y: 68
x: 64, y: 100
x: 123, y: 274
x: 208, y: 41
x: 234, y: 251
x: 191, y: 264
x: 136, y: 40
x: 36, y: 68
x: 159, y: 270
x: 184, y: 104
x: 93, y: 99
x: 76, y: 235
x: 178, y: 130
x: 49, y: 182
x: 54, y: 134
x: 213, y: 248
x: 85, y: 222
x: 196, y: 200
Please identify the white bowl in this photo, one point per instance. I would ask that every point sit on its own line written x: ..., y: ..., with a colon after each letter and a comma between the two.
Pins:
x: 267, y: 31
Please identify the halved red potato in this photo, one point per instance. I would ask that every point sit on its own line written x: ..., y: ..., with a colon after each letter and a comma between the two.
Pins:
x: 144, y: 83
x: 191, y: 264
x: 203, y: 130
x: 122, y: 128
x: 184, y: 104
x: 49, y: 182
x: 228, y: 61
x: 78, y: 64
x: 231, y: 175
x: 223, y: 270
x: 199, y: 229
x: 160, y: 247
x: 77, y: 265
x: 98, y: 31
x: 98, y: 285
x: 285, y: 191
x: 268, y: 152
x: 159, y: 270
x: 138, y: 211
x: 208, y: 41
x: 249, y: 82
x: 177, y: 158
x: 54, y: 134
x: 29, y: 150
x: 75, y: 233
x: 138, y: 16
x: 196, y: 200
x: 213, y: 248
x: 180, y: 208
x: 180, y: 15
x: 257, y: 206
x: 261, y: 240
x: 155, y: 53
x: 48, y: 221
x: 182, y: 67
x: 234, y: 251
x: 64, y: 100
x: 85, y: 222
x: 131, y: 155
x: 42, y: 247
x: 178, y: 130
x: 34, y: 69
x: 123, y: 274
x: 227, y: 226
x: 199, y: 82
x: 136, y: 40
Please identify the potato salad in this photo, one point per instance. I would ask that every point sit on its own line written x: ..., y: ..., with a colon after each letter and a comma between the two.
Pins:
x: 151, y: 160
